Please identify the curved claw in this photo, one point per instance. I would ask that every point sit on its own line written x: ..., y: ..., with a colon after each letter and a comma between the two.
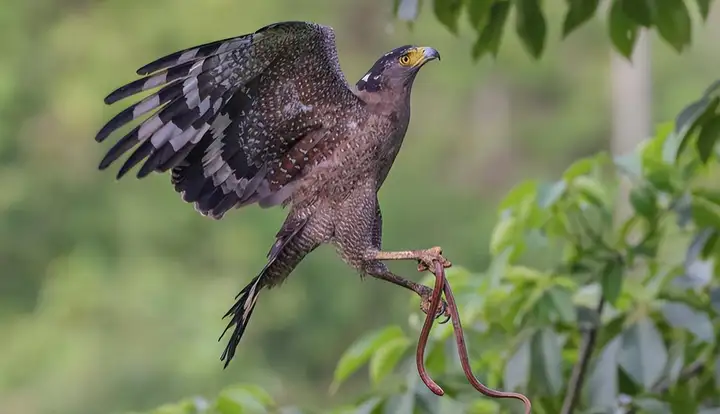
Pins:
x: 447, y: 319
x: 443, y: 309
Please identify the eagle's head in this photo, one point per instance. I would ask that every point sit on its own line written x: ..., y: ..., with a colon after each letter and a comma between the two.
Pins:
x: 396, y: 69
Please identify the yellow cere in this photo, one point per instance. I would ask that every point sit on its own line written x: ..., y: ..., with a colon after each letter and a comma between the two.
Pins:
x: 413, y: 57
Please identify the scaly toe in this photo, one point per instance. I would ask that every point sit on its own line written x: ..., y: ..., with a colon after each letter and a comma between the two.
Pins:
x: 435, y: 251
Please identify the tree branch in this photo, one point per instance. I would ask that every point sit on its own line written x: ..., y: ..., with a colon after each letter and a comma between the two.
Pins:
x: 577, y: 378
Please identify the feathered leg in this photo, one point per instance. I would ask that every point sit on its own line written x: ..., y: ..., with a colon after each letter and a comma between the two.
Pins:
x: 360, y: 240
x: 297, y: 237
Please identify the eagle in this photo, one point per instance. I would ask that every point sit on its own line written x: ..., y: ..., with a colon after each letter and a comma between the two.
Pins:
x: 268, y: 118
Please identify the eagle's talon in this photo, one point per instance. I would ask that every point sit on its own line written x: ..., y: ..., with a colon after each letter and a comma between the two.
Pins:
x: 447, y: 319
x: 443, y: 309
x: 428, y: 257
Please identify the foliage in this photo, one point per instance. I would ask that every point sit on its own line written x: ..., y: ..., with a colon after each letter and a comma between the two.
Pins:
x: 488, y: 19
x: 643, y: 283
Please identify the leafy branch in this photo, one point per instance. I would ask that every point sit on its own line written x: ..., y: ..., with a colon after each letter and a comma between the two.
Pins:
x: 625, y: 18
x: 577, y: 378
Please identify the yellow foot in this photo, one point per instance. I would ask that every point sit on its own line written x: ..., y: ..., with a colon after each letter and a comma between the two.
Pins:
x: 428, y: 257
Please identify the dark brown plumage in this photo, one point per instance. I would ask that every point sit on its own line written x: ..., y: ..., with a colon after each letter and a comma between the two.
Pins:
x: 269, y: 118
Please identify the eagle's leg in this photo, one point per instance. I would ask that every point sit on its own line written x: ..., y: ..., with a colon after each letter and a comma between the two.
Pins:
x: 359, y: 237
x: 378, y: 270
x: 425, y: 257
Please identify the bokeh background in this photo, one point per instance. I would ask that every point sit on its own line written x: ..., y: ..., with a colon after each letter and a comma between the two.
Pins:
x: 111, y: 292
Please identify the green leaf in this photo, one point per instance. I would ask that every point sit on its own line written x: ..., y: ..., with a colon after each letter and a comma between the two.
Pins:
x: 538, y: 309
x: 584, y: 166
x: 386, y: 358
x: 243, y: 399
x: 518, y: 194
x: 517, y: 369
x: 629, y: 164
x: 503, y: 235
x: 491, y: 34
x: 563, y: 303
x: 651, y: 405
x: 520, y: 274
x: 187, y: 406
x: 712, y: 91
x: 546, y: 363
x: 698, y: 271
x: 373, y: 405
x: 704, y: 6
x: 531, y: 26
x: 602, y: 386
x: 715, y: 300
x: 711, y: 194
x: 682, y: 399
x: 579, y: 12
x: 710, y: 244
x: 673, y: 23
x: 612, y: 279
x: 360, y: 351
x: 705, y: 213
x: 478, y: 11
x: 448, y: 12
x: 676, y: 361
x: 549, y: 194
x: 709, y: 135
x: 643, y: 355
x: 591, y: 189
x: 256, y: 391
x: 623, y: 31
x: 638, y: 11
x: 644, y: 200
x: 663, y: 177
x: 436, y: 357
x: 680, y: 315
x: 690, y: 118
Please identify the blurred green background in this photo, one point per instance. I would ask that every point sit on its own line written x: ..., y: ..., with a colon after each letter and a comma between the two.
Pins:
x: 111, y: 292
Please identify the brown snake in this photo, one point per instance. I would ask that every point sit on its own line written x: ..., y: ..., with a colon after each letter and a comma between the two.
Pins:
x: 440, y: 286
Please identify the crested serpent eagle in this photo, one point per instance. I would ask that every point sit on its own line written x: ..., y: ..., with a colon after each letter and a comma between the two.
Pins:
x: 269, y: 118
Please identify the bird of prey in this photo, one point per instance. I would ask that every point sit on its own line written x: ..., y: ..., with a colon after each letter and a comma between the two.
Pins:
x: 268, y: 118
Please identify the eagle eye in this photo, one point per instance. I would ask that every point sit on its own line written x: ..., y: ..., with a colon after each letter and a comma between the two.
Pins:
x: 404, y: 60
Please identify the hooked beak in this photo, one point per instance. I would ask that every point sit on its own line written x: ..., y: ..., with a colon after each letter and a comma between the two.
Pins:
x: 429, y: 54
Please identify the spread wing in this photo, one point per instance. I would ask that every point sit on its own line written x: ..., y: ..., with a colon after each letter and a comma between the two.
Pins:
x: 236, y: 120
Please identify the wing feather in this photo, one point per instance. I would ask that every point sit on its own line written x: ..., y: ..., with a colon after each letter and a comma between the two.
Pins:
x: 231, y: 114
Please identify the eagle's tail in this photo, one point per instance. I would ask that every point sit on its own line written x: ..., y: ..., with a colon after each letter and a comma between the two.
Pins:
x: 241, y: 312
x: 291, y: 246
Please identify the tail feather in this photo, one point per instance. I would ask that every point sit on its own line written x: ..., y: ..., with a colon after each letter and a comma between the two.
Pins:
x: 282, y: 259
x: 241, y: 312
